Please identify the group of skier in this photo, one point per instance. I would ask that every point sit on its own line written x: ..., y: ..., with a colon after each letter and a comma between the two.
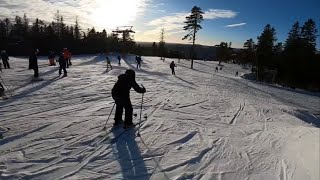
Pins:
x: 64, y: 62
x: 138, y: 61
x: 120, y: 92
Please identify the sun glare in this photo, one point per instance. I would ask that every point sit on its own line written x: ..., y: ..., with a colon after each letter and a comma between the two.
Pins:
x: 113, y: 13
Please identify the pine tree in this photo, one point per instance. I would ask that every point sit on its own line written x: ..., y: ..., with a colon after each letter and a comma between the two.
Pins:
x: 249, y: 44
x: 293, y: 36
x: 309, y: 35
x: 222, y: 51
x: 265, y: 48
x: 62, y: 29
x: 25, y: 24
x: 3, y: 34
x: 193, y: 26
x: 299, y: 65
x: 8, y: 26
x: 57, y: 24
x: 249, y: 52
x: 77, y: 34
x: 17, y: 28
x: 162, y: 44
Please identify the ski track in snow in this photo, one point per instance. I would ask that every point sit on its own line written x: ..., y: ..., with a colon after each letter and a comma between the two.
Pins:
x: 199, y: 124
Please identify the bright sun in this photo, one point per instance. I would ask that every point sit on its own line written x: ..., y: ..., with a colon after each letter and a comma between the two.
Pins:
x: 113, y: 13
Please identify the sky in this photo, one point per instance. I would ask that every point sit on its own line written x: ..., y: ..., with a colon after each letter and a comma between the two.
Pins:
x: 224, y: 20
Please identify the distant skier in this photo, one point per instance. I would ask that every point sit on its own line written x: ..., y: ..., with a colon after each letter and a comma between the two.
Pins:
x: 5, y: 59
x: 51, y: 58
x: 237, y: 73
x: 216, y: 69
x: 138, y: 60
x: 119, y: 59
x: 172, y: 66
x: 108, y: 63
x: 221, y: 67
x: 63, y: 64
x: 121, y: 96
x: 33, y: 63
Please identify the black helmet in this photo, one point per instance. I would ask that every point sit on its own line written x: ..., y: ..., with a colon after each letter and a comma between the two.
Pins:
x: 130, y: 73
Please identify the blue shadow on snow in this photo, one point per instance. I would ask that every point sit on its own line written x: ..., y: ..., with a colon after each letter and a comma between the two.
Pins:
x: 130, y: 158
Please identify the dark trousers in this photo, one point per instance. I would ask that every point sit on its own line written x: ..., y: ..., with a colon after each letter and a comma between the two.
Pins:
x: 36, y: 72
x: 173, y: 73
x: 5, y: 63
x: 62, y: 67
x: 139, y: 65
x: 69, y: 61
x: 126, y: 104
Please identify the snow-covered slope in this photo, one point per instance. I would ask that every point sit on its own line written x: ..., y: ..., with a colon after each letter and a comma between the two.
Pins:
x: 201, y: 125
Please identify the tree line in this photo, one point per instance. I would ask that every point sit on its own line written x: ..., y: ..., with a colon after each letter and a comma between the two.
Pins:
x: 295, y: 62
x: 20, y: 36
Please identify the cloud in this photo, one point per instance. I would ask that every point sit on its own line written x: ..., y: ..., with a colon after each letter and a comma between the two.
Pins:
x: 174, y: 23
x: 87, y: 11
x: 236, y: 25
x: 219, y: 13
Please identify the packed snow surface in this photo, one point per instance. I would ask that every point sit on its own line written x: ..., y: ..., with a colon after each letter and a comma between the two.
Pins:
x: 200, y: 124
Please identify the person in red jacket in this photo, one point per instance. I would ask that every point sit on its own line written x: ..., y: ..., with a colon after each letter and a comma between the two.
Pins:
x: 67, y: 56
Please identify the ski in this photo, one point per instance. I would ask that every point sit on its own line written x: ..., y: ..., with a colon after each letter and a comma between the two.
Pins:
x: 117, y: 128
x: 114, y: 140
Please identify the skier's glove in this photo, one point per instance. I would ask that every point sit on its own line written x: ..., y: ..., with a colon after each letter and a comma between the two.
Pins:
x: 143, y: 90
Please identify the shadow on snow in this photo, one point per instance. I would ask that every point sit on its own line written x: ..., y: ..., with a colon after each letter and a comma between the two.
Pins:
x: 129, y: 156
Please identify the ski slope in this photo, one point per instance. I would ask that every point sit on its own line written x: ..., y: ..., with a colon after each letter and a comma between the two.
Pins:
x: 200, y: 124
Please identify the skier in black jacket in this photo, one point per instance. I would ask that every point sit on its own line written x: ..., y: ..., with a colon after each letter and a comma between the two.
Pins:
x: 63, y: 64
x: 33, y: 63
x: 121, y: 96
x: 172, y: 66
x: 138, y: 60
x: 5, y: 59
x: 119, y: 59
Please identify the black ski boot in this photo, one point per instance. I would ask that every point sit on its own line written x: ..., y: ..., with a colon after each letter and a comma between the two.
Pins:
x: 118, y: 123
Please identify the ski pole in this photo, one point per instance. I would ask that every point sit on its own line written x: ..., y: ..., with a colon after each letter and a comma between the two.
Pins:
x: 138, y: 134
x: 105, y: 125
